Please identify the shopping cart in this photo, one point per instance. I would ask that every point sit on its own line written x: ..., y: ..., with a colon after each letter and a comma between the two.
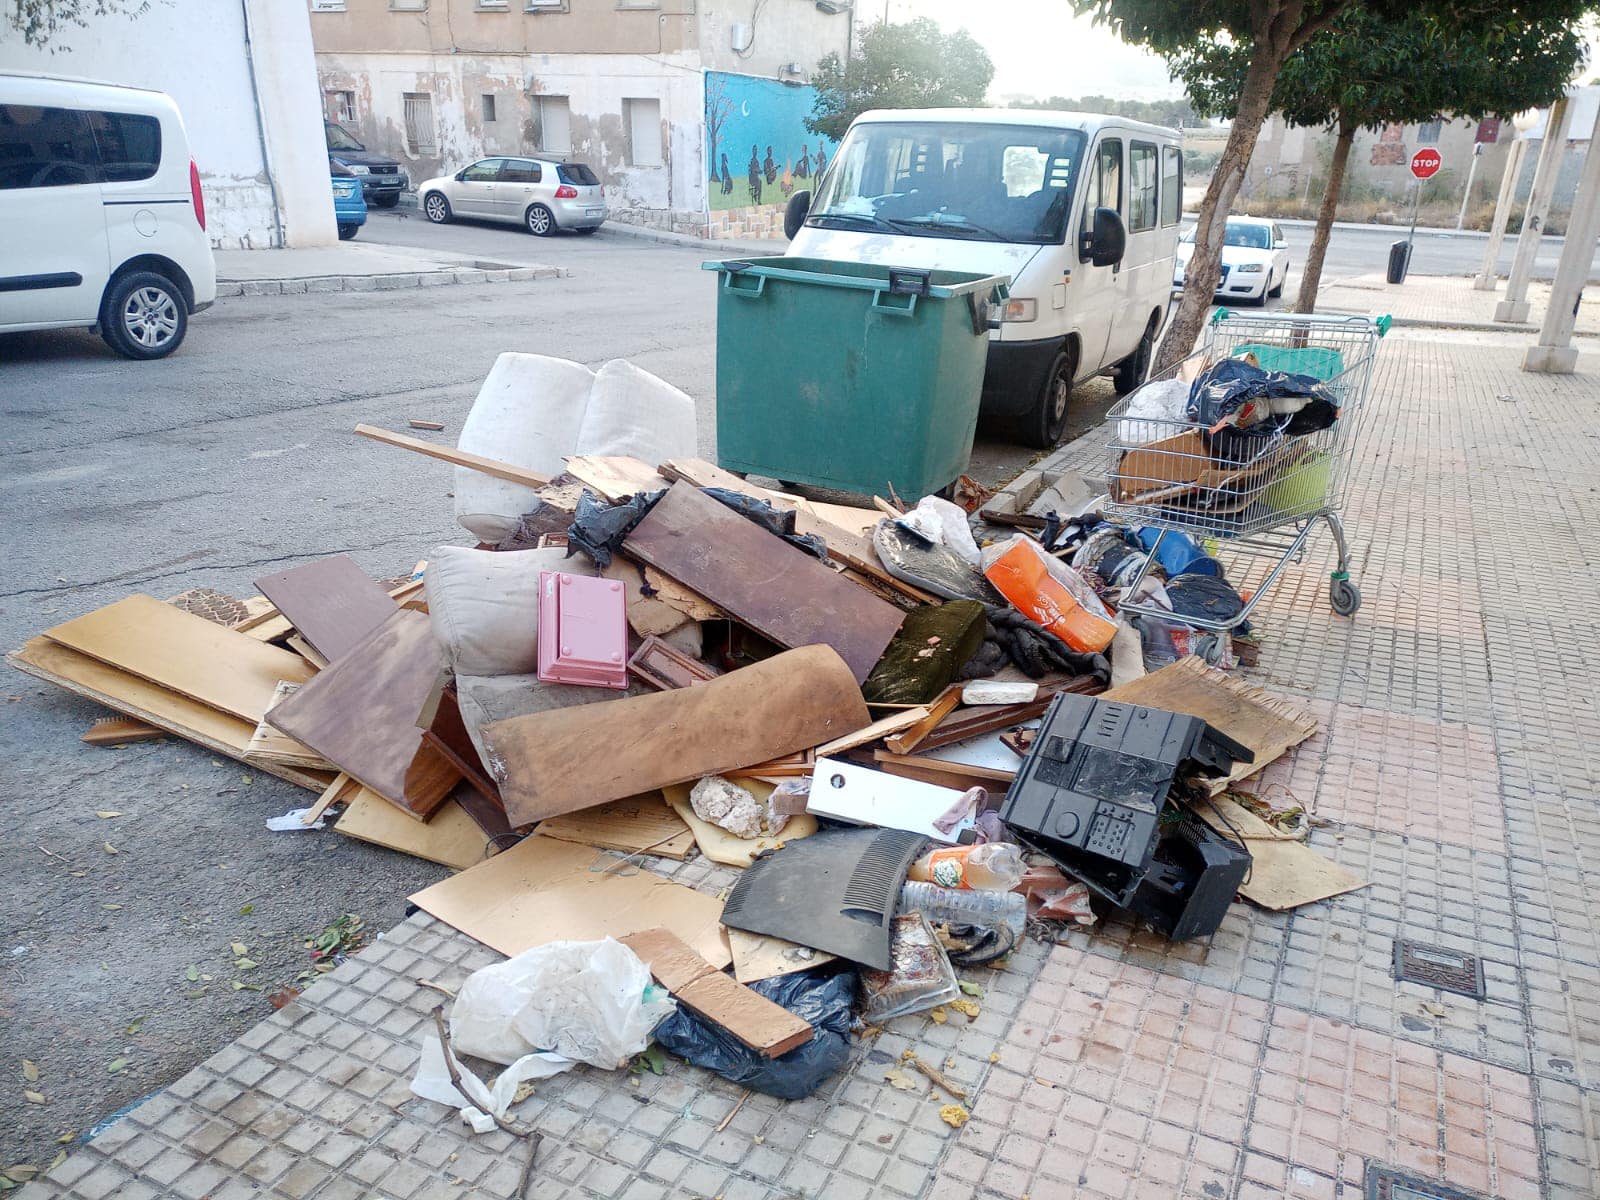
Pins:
x: 1252, y: 495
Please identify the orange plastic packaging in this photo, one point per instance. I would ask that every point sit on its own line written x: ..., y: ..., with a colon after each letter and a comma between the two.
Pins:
x: 1075, y: 615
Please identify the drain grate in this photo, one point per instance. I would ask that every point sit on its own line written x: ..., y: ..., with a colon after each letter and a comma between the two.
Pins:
x: 1385, y: 1183
x: 1434, y: 966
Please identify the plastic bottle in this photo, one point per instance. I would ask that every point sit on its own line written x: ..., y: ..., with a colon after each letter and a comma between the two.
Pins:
x: 991, y: 867
x: 957, y: 907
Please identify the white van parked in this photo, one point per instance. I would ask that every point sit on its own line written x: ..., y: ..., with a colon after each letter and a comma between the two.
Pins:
x: 1081, y: 211
x: 104, y: 223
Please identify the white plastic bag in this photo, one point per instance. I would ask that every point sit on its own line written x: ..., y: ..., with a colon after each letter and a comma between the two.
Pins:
x: 1156, y: 410
x: 942, y: 523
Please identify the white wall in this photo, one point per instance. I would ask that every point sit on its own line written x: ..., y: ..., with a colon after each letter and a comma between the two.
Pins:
x: 194, y: 50
x: 785, y: 31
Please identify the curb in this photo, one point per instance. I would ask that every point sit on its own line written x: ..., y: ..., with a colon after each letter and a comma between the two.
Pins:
x: 732, y: 246
x: 382, y: 283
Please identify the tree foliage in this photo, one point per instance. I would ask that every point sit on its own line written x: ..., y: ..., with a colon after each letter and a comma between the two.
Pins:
x: 1176, y: 112
x: 40, y: 22
x: 910, y: 65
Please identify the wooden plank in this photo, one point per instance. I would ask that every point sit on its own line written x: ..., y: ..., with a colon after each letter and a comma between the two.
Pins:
x: 450, y: 838
x: 148, y: 702
x: 544, y: 890
x: 943, y: 771
x: 614, y: 476
x: 1269, y: 725
x: 306, y: 650
x: 419, y: 423
x: 269, y: 745
x: 460, y: 458
x: 636, y: 825
x: 972, y: 722
x: 881, y: 728
x: 331, y: 602
x: 760, y: 580
x: 361, y: 715
x: 230, y: 671
x: 943, y: 705
x: 761, y: 1024
x: 120, y: 731
x: 562, y: 760
x: 337, y: 792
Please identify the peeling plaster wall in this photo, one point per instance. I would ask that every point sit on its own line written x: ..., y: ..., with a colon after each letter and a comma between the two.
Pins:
x: 786, y: 31
x: 194, y: 50
x: 595, y: 85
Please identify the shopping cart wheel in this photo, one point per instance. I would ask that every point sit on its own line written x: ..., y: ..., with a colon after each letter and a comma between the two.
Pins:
x: 1344, y: 597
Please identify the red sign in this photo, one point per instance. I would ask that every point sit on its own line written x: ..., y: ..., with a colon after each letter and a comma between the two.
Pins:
x: 1425, y: 163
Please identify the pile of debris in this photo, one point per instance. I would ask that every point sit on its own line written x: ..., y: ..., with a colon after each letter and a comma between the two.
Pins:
x: 908, y: 744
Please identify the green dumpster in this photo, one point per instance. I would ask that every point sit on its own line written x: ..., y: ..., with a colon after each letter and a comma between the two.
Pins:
x: 847, y: 375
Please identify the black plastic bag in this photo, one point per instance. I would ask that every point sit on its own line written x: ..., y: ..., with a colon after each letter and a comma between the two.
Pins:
x: 1207, y: 597
x: 774, y: 520
x: 823, y: 997
x: 598, y: 527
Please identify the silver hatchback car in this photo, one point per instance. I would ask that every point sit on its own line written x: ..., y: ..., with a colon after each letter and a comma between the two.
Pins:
x: 541, y: 194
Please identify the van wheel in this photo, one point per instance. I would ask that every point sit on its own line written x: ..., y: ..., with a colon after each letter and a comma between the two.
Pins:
x: 436, y: 208
x: 1044, y: 424
x: 1131, y: 371
x: 143, y: 316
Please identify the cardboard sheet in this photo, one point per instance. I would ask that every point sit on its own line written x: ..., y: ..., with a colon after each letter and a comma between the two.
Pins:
x: 639, y: 823
x: 558, y: 761
x: 544, y: 890
x: 1283, y: 873
x: 450, y: 837
x: 717, y: 843
x: 757, y: 956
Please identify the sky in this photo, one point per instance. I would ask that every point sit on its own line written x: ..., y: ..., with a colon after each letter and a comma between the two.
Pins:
x: 1040, y: 48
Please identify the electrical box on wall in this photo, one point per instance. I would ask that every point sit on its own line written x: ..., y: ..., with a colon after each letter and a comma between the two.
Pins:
x: 740, y: 37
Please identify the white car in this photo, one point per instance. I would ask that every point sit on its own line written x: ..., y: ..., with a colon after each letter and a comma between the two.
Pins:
x: 1255, y: 260
x: 105, y: 226
x: 541, y: 195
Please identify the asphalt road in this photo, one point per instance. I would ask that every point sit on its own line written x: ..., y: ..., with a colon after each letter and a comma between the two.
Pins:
x: 1366, y: 250
x: 228, y: 461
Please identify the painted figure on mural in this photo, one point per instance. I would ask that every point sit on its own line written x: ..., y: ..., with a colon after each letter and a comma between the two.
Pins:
x: 726, y: 177
x: 802, y: 169
x: 768, y: 167
x: 753, y: 173
x: 820, y: 161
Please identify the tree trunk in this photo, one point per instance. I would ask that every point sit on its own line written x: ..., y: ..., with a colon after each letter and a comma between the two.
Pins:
x: 1205, y: 265
x: 1311, y: 277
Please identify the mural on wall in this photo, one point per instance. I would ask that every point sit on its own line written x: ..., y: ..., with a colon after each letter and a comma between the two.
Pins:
x: 758, y: 149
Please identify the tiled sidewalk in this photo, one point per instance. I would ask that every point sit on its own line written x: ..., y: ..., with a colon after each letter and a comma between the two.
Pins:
x: 1454, y: 771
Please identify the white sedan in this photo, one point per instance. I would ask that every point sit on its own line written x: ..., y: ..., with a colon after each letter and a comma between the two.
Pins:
x: 1255, y: 260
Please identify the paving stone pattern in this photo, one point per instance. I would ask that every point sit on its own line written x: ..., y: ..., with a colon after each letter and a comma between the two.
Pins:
x: 1454, y: 770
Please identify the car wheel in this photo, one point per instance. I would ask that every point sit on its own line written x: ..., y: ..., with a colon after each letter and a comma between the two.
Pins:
x: 387, y: 201
x: 1131, y: 371
x: 143, y: 315
x: 539, y: 220
x: 1277, y: 292
x: 1044, y: 424
x: 436, y: 208
x: 346, y: 232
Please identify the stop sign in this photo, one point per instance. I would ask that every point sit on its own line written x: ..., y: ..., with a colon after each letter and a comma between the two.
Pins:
x: 1425, y: 163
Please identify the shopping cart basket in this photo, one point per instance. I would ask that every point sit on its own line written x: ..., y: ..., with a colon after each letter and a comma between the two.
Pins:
x: 1254, y: 495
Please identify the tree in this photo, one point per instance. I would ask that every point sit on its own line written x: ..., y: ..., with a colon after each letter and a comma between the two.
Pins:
x: 40, y: 21
x: 910, y: 65
x: 1268, y: 32
x: 1364, y: 72
x: 719, y: 107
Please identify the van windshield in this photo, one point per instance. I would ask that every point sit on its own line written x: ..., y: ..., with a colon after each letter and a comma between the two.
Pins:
x: 1000, y: 183
x: 338, y: 139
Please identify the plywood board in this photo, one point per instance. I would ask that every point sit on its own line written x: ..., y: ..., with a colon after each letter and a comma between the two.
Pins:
x: 859, y: 795
x: 718, y: 844
x: 544, y: 890
x: 270, y: 745
x: 881, y: 728
x: 361, y: 714
x: 333, y: 603
x: 562, y: 760
x: 150, y: 703
x: 449, y: 838
x: 227, y: 670
x: 614, y: 476
x: 120, y: 731
x: 757, y: 956
x: 1269, y: 725
x: 762, y: 581
x: 639, y: 824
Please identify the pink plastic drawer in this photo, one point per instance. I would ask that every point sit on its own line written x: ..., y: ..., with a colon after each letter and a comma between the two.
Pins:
x: 583, y: 630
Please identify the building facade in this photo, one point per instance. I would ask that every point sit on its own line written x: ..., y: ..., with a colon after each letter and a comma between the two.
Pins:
x: 621, y: 85
x: 243, y: 75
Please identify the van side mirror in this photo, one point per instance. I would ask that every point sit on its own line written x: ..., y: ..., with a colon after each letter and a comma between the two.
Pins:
x: 794, y: 213
x: 1105, y: 246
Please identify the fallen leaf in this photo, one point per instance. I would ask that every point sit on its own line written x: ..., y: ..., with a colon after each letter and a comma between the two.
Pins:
x: 246, y: 909
x: 247, y: 964
x: 192, y: 974
x: 954, y: 1115
x: 972, y: 989
x: 61, y: 1157
x: 196, y: 993
x: 994, y: 1058
x: 22, y: 1172
x: 283, y: 996
x: 110, y: 849
x: 939, y: 1015
x: 901, y: 1081
x: 30, y: 1071
x: 117, y: 1065
x: 112, y: 907
x: 70, y: 1135
x: 239, y: 949
x: 969, y: 1008
x: 525, y: 1089
x: 33, y: 1097
x: 247, y: 987
x: 133, y: 1025
x: 107, y: 814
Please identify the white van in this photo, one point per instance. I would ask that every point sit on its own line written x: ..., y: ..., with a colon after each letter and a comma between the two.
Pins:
x: 1081, y: 211
x: 104, y: 223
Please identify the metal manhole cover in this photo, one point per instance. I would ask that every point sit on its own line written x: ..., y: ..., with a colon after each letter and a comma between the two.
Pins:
x: 1434, y: 966
x: 1385, y: 1183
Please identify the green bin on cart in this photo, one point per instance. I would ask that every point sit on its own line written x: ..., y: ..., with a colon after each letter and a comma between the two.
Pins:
x: 846, y: 375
